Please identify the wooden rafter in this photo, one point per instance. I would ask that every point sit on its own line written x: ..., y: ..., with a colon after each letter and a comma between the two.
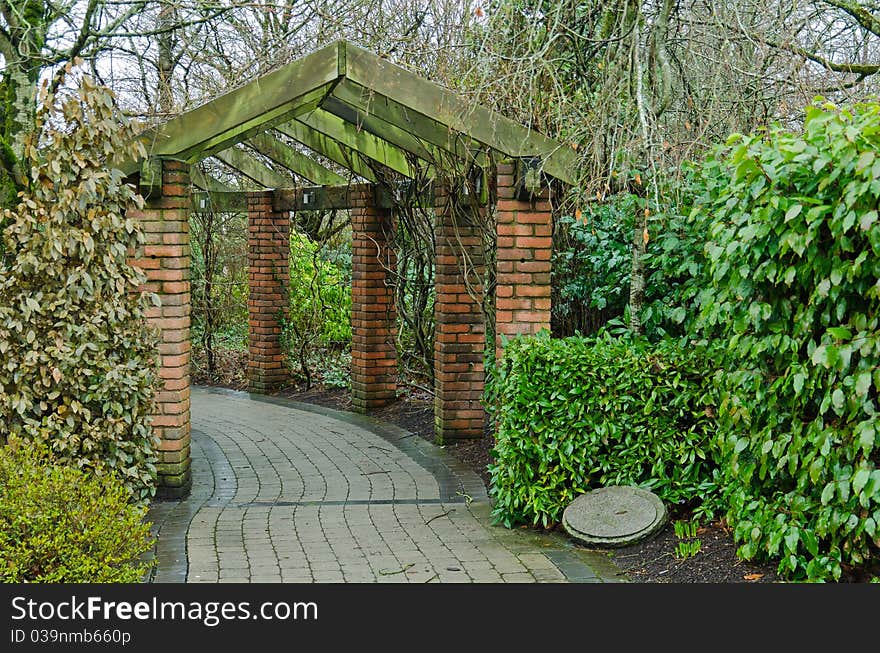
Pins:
x: 295, y: 161
x: 253, y: 168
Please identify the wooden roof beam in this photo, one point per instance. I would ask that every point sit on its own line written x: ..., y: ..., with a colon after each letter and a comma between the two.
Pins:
x: 365, y: 101
x: 378, y: 127
x: 207, y: 182
x: 419, y: 97
x: 328, y: 148
x: 253, y: 168
x: 294, y: 160
x: 367, y: 144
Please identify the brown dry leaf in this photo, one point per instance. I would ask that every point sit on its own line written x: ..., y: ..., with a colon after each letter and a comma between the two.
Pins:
x: 645, y: 236
x: 753, y: 576
x: 56, y: 374
x: 578, y: 214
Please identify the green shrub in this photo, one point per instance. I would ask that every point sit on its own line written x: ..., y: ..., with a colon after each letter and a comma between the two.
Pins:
x: 78, y: 361
x: 592, y: 263
x: 580, y: 413
x: 61, y: 524
x: 793, y: 307
x: 320, y: 294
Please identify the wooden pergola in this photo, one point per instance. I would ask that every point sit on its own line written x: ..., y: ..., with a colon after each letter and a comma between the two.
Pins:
x: 344, y: 110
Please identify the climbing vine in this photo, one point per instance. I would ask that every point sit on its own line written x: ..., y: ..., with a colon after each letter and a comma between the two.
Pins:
x: 79, y: 367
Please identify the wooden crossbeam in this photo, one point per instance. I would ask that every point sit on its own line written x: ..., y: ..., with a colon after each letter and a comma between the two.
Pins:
x: 348, y: 134
x: 328, y: 148
x: 294, y: 160
x: 253, y: 169
x: 220, y: 201
x: 322, y: 198
x: 313, y: 198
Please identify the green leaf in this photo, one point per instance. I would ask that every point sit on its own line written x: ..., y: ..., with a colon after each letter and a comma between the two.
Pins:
x: 793, y: 211
x: 863, y: 383
x: 791, y: 539
x: 840, y: 333
x: 866, y: 159
x: 827, y: 493
x: 838, y: 399
x: 860, y: 478
x: 810, y: 541
x: 867, y: 437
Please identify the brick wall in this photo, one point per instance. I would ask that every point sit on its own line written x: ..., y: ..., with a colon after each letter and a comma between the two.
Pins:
x: 524, y: 230
x: 268, y: 283
x: 165, y: 258
x: 460, y: 331
x: 373, y: 316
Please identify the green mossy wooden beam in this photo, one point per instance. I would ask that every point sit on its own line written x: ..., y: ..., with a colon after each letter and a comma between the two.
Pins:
x: 294, y: 160
x: 253, y: 169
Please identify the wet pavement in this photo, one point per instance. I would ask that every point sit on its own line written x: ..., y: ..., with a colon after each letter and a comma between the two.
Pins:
x: 285, y: 492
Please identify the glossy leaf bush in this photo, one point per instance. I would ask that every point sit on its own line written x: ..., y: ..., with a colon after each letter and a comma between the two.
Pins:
x: 77, y: 360
x: 791, y: 311
x: 575, y: 414
x: 61, y: 524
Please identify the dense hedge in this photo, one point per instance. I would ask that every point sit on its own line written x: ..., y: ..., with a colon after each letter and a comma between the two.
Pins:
x: 580, y: 413
x: 792, y: 308
x: 61, y: 524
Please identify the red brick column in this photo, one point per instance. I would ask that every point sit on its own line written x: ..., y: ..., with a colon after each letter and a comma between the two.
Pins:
x: 268, y: 287
x: 373, y: 315
x: 165, y: 258
x: 460, y: 330
x: 524, y: 246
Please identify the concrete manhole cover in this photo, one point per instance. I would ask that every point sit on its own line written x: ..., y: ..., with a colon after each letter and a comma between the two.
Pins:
x: 614, y: 516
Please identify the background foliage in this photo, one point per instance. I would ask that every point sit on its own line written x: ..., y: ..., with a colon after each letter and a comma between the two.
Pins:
x: 320, y: 301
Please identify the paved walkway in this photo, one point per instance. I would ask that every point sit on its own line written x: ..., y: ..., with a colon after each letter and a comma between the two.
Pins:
x: 295, y: 493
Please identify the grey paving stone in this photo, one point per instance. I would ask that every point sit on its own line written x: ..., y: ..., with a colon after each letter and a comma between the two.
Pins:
x: 285, y: 492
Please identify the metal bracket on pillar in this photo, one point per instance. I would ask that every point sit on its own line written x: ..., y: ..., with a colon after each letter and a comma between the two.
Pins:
x: 396, y: 194
x: 531, y: 179
x: 150, y: 182
x: 478, y: 182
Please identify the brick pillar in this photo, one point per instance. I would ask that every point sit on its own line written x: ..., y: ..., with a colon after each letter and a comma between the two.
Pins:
x: 460, y: 330
x: 373, y: 315
x: 524, y: 246
x: 268, y: 283
x: 165, y: 258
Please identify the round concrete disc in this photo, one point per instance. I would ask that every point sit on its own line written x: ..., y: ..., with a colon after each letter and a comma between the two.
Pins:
x: 614, y: 516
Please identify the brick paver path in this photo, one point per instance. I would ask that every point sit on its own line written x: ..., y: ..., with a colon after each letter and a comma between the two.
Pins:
x: 293, y: 493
